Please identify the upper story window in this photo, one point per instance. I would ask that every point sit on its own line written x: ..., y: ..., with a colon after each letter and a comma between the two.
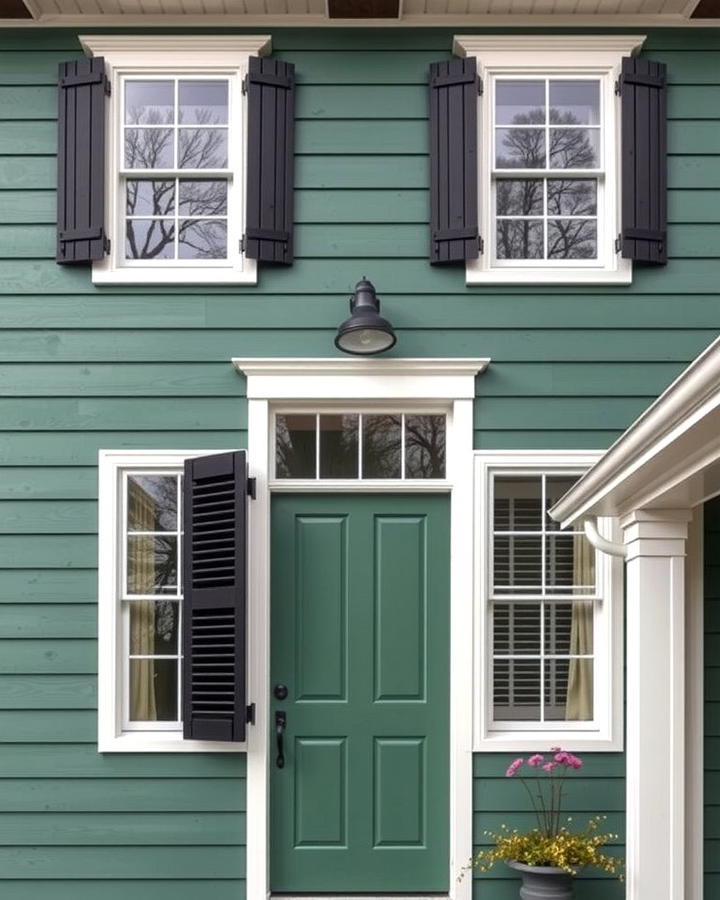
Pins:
x: 175, y: 159
x: 548, y: 159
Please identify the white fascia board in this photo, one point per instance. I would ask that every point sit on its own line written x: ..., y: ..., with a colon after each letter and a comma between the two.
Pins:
x: 675, y: 439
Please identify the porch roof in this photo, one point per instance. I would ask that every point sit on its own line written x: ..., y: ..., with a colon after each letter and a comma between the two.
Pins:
x: 668, y: 458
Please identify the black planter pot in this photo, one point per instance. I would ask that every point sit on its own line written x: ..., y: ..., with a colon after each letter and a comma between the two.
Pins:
x: 543, y: 882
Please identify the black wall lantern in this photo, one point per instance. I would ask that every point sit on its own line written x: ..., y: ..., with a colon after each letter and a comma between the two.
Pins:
x: 365, y: 332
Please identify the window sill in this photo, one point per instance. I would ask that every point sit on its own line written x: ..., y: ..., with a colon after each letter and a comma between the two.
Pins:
x: 162, y: 742
x: 520, y: 742
x: 105, y: 274
x: 476, y: 274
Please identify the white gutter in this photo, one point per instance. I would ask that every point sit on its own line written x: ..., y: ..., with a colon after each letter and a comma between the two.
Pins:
x: 692, y: 397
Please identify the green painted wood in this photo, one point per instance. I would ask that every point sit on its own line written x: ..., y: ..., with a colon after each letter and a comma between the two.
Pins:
x: 48, y: 517
x: 120, y: 888
x: 81, y: 414
x: 36, y: 102
x: 49, y: 551
x: 20, y: 68
x: 360, y: 631
x: 31, y: 138
x: 18, y: 172
x: 126, y: 795
x: 136, y: 862
x: 68, y: 449
x: 366, y: 101
x: 33, y: 585
x: 64, y: 692
x: 54, y: 620
x: 126, y: 830
x: 521, y: 439
x: 357, y: 206
x: 83, y: 761
x: 693, y: 101
x: 693, y: 206
x: 48, y: 656
x: 49, y: 483
x: 31, y: 207
x: 694, y: 171
x: 587, y: 413
x: 113, y: 380
x: 30, y: 726
x: 352, y: 171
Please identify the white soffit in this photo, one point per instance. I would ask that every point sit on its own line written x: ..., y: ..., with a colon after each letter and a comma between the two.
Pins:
x: 289, y: 13
x: 668, y: 458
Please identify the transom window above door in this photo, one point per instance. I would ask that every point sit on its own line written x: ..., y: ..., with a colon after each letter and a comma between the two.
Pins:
x: 360, y: 445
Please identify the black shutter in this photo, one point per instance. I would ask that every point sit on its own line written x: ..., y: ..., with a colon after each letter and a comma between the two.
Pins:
x: 215, y: 497
x: 270, y: 88
x: 82, y: 89
x: 643, y: 236
x: 454, y: 235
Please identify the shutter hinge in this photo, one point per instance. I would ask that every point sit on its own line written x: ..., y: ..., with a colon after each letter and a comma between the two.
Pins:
x: 480, y: 86
x: 618, y: 243
x: 618, y: 87
x: 252, y: 488
x: 106, y: 85
x: 250, y: 714
x: 242, y: 244
x: 245, y: 84
x: 106, y: 246
x: 481, y: 245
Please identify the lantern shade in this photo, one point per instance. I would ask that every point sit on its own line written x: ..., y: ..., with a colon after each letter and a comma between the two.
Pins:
x: 366, y: 332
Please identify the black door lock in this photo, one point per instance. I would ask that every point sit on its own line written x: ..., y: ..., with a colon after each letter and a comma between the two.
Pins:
x: 280, y: 691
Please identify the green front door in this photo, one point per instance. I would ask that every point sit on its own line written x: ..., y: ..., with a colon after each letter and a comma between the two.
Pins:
x: 360, y: 638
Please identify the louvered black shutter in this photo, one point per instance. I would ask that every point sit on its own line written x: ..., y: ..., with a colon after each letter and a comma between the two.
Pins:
x: 454, y: 235
x: 82, y: 89
x: 270, y: 88
x: 643, y: 235
x: 214, y: 609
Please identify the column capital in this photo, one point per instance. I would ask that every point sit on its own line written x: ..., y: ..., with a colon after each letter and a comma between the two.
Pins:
x: 656, y: 532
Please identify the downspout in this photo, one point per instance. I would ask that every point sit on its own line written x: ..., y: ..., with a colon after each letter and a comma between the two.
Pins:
x: 603, y: 544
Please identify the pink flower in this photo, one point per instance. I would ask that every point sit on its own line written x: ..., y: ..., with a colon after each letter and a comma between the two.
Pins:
x: 561, y: 758
x: 537, y: 759
x: 574, y: 761
x: 513, y: 767
x: 550, y: 766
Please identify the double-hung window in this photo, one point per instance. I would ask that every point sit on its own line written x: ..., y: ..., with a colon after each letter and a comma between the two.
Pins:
x: 549, y: 637
x: 548, y: 158
x: 176, y: 157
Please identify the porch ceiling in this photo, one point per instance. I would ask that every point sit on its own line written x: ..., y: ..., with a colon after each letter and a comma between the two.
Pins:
x: 558, y: 13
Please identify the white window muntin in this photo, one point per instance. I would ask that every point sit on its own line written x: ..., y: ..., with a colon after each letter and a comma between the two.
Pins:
x: 598, y: 174
x: 605, y: 731
x: 230, y: 173
x: 380, y: 409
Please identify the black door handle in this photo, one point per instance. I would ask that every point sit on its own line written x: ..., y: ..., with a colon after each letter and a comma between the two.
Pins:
x: 280, y: 723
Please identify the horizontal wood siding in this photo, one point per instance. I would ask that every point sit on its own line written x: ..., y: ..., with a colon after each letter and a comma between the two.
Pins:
x: 83, y: 368
x: 712, y: 698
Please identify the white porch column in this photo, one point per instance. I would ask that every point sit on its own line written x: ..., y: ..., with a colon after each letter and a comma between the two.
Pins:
x: 655, y: 736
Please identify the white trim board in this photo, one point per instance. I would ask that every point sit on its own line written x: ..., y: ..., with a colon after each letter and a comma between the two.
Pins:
x: 274, y: 382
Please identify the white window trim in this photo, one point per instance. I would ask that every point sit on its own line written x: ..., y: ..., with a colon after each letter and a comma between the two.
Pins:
x: 552, y: 55
x: 111, y: 651
x: 607, y: 732
x: 133, y: 55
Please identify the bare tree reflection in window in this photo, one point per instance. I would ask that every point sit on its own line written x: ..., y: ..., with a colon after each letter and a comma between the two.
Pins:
x: 381, y: 446
x: 424, y: 446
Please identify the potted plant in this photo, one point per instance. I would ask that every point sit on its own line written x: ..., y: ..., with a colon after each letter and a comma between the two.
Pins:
x: 550, y: 855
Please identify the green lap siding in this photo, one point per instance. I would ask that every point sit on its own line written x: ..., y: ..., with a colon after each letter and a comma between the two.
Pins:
x: 83, y: 368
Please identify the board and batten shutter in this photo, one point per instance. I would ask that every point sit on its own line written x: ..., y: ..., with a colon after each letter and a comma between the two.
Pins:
x: 643, y: 235
x: 215, y: 501
x: 270, y: 87
x: 82, y: 89
x: 454, y: 232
